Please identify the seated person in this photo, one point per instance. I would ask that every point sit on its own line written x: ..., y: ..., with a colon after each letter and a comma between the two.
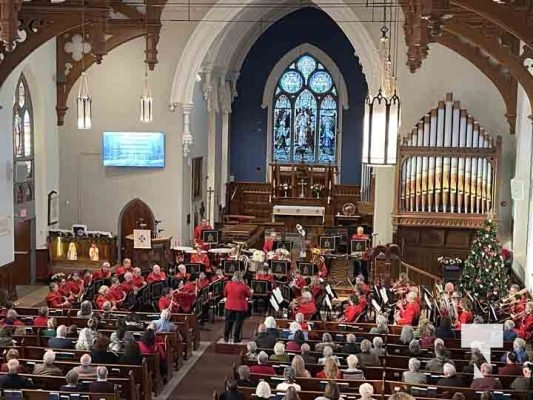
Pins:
x: 327, y: 340
x: 263, y: 339
x: 427, y: 336
x: 55, y: 299
x: 48, y: 367
x: 262, y: 366
x: 61, y: 341
x: 166, y: 301
x: 327, y: 352
x: 297, y: 340
x: 252, y: 351
x: 381, y: 326
x: 41, y: 321
x: 64, y: 290
x: 351, y: 346
x: 202, y: 281
x: 103, y: 273
x: 409, y: 314
x: 444, y: 330
x: 414, y: 375
x: 156, y: 275
x: 72, y: 380
x: 366, y: 390
x: 12, y: 354
x: 270, y: 242
x: 523, y: 382
x: 163, y: 324
x: 182, y: 273
x: 305, y: 352
x: 298, y: 283
x: 279, y: 353
x: 201, y: 257
x: 116, y: 294
x: 87, y: 277
x: 512, y: 366
x: 331, y: 370
x: 101, y: 385
x: 487, y: 382
x: 12, y: 380
x: 355, y: 307
x: 104, y: 296
x: 441, y: 357
x: 50, y: 330
x: 306, y: 306
x: 450, y: 376
x: 75, y: 285
x: 85, y: 369
x: 264, y: 274
x: 232, y: 391
x: 125, y: 267
x: 11, y: 319
x: 219, y: 275
x: 509, y: 332
x: 352, y: 372
x: 128, y: 285
x: 366, y: 357
x: 204, y: 225
x: 100, y: 353
x: 378, y: 348
x: 289, y: 380
x: 300, y: 318
x: 138, y: 280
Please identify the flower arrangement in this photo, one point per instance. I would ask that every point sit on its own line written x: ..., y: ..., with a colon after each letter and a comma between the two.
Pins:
x: 444, y: 260
x: 317, y: 189
x: 285, y: 187
x: 58, y: 277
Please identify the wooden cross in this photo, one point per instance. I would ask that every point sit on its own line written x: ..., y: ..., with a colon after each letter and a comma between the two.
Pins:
x: 302, y: 184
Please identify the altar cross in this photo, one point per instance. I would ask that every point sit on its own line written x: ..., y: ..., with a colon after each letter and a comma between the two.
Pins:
x: 302, y: 184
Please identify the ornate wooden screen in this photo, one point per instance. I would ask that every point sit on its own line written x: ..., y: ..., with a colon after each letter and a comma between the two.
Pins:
x: 447, y: 177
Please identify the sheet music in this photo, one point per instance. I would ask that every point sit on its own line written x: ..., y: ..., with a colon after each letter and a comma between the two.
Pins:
x: 428, y: 302
x: 274, y: 303
x: 277, y: 294
x: 384, y: 295
x: 329, y: 291
x: 328, y: 302
x: 376, y: 306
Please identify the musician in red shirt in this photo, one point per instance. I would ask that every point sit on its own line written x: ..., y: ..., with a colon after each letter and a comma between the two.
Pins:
x: 115, y: 294
x: 526, y: 328
x: 138, y: 279
x: 182, y: 273
x: 305, y: 305
x: 297, y: 283
x: 219, y: 275
x: 87, y: 277
x: 356, y: 305
x: 75, y: 285
x: 269, y: 243
x: 125, y: 267
x: 201, y: 257
x: 237, y: 294
x: 156, y: 275
x: 202, y: 281
x: 166, y: 301
x: 128, y: 285
x: 103, y: 297
x: 204, y: 225
x: 264, y: 274
x: 411, y: 312
x: 64, y: 290
x: 466, y: 316
x: 103, y: 273
x: 55, y: 299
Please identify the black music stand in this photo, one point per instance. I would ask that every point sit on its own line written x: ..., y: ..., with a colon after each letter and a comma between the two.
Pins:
x: 194, y: 268
x: 211, y: 236
x: 260, y: 287
x: 279, y: 267
x: 307, y: 269
x: 328, y: 243
x: 231, y: 266
x: 358, y: 245
x: 285, y: 244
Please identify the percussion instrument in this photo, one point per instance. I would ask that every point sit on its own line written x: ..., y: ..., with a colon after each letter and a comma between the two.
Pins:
x: 192, y: 251
x: 220, y: 251
x: 183, y: 248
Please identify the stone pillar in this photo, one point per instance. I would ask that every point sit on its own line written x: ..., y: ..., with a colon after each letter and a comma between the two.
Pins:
x: 383, y: 204
x: 226, y: 98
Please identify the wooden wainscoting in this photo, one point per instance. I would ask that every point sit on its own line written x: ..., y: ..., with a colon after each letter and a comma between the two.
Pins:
x: 423, y: 246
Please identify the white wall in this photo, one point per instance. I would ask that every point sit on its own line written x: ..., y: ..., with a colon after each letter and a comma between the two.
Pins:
x: 39, y: 69
x: 94, y: 195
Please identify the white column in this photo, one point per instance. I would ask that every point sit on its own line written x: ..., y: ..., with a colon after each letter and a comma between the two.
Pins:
x: 224, y: 164
x: 383, y: 204
x: 211, y: 165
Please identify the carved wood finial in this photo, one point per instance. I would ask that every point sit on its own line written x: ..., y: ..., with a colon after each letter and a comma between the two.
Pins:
x: 9, y: 22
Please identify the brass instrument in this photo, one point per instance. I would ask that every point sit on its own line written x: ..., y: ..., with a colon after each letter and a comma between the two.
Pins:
x: 518, y: 316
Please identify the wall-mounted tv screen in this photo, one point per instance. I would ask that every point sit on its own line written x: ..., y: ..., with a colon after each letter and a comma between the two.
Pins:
x: 133, y: 149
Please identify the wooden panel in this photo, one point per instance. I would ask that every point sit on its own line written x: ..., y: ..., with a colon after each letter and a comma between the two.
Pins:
x: 131, y: 214
x: 23, y: 249
x: 42, y: 265
x: 432, y: 237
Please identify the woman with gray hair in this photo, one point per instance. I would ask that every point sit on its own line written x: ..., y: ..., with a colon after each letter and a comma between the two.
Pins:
x: 407, y: 334
x: 86, y: 310
x: 244, y: 377
x: 272, y: 327
x: 263, y: 390
x: 252, y: 351
x: 237, y: 294
x: 378, y: 349
x: 414, y: 375
x: 327, y: 340
x: 279, y: 353
x: 327, y: 352
x: 381, y: 327
x: 289, y: 377
x: 366, y: 390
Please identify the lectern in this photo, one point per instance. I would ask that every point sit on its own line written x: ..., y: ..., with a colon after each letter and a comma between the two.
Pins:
x: 158, y: 253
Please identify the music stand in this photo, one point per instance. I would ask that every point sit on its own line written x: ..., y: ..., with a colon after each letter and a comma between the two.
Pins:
x: 278, y: 244
x: 358, y: 245
x: 308, y: 269
x: 279, y: 267
x: 217, y: 288
x: 210, y: 236
x: 328, y: 243
x: 259, y: 287
x: 194, y: 268
x: 231, y: 266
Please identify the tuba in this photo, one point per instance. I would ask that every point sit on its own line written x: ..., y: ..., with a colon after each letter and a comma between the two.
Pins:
x: 239, y: 246
x: 302, y: 233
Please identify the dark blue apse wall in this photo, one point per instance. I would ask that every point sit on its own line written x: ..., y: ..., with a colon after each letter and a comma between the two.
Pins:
x: 248, y: 135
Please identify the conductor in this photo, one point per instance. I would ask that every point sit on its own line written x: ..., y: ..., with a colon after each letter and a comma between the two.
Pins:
x: 236, y: 293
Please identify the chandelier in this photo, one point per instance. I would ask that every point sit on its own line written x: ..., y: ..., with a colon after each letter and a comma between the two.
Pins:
x: 382, y: 111
x: 146, y: 111
x: 83, y: 101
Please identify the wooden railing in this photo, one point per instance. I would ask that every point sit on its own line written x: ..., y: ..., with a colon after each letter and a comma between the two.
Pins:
x: 419, y: 276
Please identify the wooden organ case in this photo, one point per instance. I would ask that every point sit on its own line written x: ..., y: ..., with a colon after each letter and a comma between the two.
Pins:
x: 446, y: 183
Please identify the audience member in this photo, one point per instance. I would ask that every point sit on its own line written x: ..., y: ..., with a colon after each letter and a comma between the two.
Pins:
x: 487, y: 382
x: 476, y: 359
x: 271, y: 326
x: 86, y: 310
x: 523, y: 382
x: 48, y: 367
x: 100, y: 354
x: 327, y: 352
x: 330, y: 371
x: 12, y: 354
x: 50, y: 330
x: 12, y: 380
x: 252, y: 351
x: 244, y: 377
x: 60, y: 341
x: 414, y: 349
x: 441, y: 357
x: 279, y: 353
x: 350, y: 347
x: 381, y: 327
x: 366, y: 358
x: 289, y: 380
x: 400, y: 396
x: 298, y: 364
x: 297, y: 340
x: 512, y: 367
x: 414, y: 375
x: 262, y: 366
x: 305, y: 351
x: 450, y: 376
x: 132, y: 354
x: 427, y: 337
x: 445, y: 331
x: 101, y: 385
x: 262, y: 391
x: 41, y: 320
x: 331, y: 392
x: 406, y: 335
x: 327, y: 340
x: 378, y: 348
x: 509, y: 333
x: 352, y: 372
x: 72, y: 385
x: 72, y: 332
x: 366, y: 390
x: 85, y: 369
x: 85, y: 340
x: 120, y: 337
x: 231, y: 392
x: 291, y: 394
x: 263, y: 339
x: 163, y: 324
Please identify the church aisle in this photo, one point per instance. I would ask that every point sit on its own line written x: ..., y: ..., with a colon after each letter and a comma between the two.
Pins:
x: 209, y: 371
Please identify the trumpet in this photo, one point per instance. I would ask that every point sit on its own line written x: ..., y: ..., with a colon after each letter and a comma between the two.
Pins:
x: 519, y: 315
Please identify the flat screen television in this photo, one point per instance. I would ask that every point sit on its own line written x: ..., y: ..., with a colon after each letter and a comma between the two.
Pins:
x: 133, y: 149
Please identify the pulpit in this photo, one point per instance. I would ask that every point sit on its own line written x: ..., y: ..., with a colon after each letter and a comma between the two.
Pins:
x: 159, y: 253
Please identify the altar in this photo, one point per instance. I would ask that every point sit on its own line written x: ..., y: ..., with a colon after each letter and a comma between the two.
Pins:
x: 299, y: 211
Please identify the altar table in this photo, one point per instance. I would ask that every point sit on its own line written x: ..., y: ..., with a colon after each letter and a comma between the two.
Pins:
x: 307, y: 211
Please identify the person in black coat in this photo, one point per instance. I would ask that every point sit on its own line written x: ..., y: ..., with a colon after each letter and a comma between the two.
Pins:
x: 350, y: 346
x: 444, y: 331
x: 13, y: 380
x: 132, y: 354
x: 231, y: 392
x: 101, y: 385
x: 450, y: 377
x: 263, y: 339
x: 99, y: 354
x: 72, y: 383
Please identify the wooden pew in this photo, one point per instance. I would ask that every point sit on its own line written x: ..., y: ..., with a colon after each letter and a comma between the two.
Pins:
x: 31, y: 394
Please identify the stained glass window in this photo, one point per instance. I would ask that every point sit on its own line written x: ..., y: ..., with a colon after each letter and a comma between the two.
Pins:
x: 23, y: 151
x: 305, y: 114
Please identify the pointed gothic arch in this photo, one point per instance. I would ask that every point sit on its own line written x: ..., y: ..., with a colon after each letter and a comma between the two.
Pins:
x: 132, y: 212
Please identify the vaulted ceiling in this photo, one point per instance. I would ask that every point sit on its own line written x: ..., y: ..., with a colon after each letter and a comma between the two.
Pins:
x: 489, y: 33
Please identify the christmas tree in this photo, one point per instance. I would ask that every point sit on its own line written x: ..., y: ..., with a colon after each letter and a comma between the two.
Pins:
x: 484, y: 274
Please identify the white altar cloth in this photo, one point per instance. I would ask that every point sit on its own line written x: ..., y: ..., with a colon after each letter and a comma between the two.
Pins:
x: 306, y: 211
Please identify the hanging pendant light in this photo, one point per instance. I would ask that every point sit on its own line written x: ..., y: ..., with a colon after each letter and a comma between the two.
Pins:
x: 146, y: 111
x: 84, y: 104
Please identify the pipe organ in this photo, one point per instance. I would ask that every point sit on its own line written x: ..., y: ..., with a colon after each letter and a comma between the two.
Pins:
x: 446, y: 183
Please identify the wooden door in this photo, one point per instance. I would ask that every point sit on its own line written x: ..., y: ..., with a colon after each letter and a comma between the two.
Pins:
x: 130, y: 216
x: 23, y: 252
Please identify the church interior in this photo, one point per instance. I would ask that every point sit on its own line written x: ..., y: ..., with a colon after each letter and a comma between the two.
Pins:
x: 325, y: 183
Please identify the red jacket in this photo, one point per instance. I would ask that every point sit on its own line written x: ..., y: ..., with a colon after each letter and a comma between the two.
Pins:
x: 115, y: 294
x: 262, y: 369
x: 237, y: 294
x: 76, y: 287
x: 322, y: 375
x: 323, y: 270
x: 55, y: 300
x: 202, y: 283
x: 100, y: 300
x: 41, y: 322
x: 308, y: 309
x: 101, y: 275
x: 128, y: 286
x: 121, y: 270
x: 164, y: 302
x: 201, y: 259
x: 268, y: 246
x: 410, y: 314
x: 265, y: 277
x: 138, y: 281
x: 353, y: 311
x: 465, y: 317
x: 156, y: 278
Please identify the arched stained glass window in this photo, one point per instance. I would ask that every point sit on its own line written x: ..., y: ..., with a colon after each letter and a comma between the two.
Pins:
x: 23, y: 151
x: 305, y: 114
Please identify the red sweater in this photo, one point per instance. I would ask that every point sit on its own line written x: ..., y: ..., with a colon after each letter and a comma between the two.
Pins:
x: 237, y: 295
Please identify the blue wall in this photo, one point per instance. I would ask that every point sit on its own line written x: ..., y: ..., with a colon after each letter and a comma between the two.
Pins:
x: 248, y: 132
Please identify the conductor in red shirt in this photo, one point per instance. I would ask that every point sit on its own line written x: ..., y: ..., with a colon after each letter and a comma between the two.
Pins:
x: 236, y: 293
x: 410, y: 314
